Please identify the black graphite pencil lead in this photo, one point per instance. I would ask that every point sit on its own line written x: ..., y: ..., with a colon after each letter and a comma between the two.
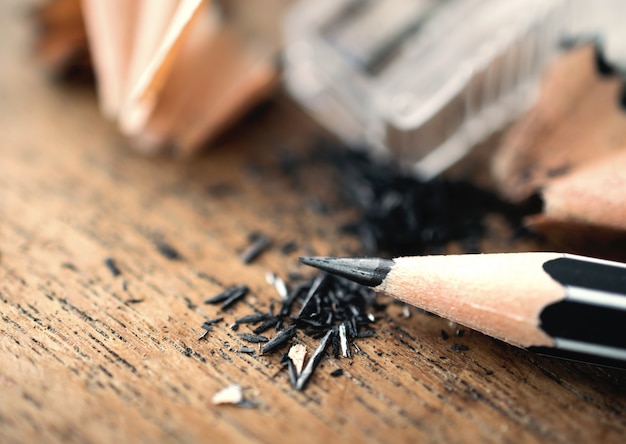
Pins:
x: 365, y: 271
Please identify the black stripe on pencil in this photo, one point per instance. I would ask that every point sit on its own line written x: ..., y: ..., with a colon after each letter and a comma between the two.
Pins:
x: 556, y: 304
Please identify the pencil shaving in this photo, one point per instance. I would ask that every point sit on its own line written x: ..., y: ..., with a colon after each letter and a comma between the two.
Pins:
x: 593, y: 195
x: 575, y: 120
x: 171, y: 73
x: 585, y: 210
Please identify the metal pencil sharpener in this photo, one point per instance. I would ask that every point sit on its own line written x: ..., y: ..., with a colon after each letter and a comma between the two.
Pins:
x: 423, y: 81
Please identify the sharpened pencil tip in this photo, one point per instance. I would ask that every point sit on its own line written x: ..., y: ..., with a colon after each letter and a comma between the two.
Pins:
x: 370, y: 271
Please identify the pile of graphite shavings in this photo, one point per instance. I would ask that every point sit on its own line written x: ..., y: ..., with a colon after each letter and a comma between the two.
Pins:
x: 329, y: 308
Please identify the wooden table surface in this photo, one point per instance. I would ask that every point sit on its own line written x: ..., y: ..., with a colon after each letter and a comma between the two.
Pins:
x: 79, y: 363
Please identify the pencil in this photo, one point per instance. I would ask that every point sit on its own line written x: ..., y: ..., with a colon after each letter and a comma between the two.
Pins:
x: 556, y: 304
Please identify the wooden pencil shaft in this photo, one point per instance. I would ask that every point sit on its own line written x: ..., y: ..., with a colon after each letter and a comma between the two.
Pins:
x: 563, y: 305
x: 480, y: 291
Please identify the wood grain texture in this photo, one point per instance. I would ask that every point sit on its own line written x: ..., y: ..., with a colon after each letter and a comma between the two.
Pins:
x: 78, y: 363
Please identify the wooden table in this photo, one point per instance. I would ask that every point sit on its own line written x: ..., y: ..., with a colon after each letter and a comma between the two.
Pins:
x: 79, y: 362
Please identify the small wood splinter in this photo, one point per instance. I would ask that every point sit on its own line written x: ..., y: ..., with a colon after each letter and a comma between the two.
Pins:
x: 232, y: 394
x: 279, y: 285
x: 298, y: 353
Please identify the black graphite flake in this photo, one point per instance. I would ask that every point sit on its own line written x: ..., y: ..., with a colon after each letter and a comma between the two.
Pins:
x: 336, y: 373
x: 316, y: 286
x: 253, y: 338
x: 69, y: 266
x: 221, y: 296
x: 459, y: 347
x: 444, y: 335
x: 235, y: 297
x: 112, y: 266
x: 207, y: 326
x: 229, y: 296
x: 288, y: 247
x: 266, y: 325
x: 259, y: 242
x: 335, y: 344
x: 294, y: 294
x: 293, y: 373
x: 167, y: 251
x: 284, y: 359
x: 133, y: 301
x: 248, y: 350
x: 252, y: 318
x: 313, y: 361
x: 210, y: 322
x: 281, y: 338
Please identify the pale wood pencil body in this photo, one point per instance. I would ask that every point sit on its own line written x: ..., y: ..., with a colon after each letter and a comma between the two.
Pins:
x: 480, y: 291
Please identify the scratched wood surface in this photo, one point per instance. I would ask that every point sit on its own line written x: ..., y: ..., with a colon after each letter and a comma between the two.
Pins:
x: 80, y: 363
